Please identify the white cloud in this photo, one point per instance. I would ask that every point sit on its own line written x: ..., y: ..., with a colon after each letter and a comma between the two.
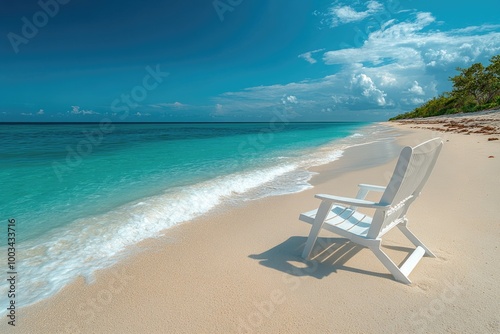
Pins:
x: 75, y: 110
x: 343, y: 99
x: 412, y: 101
x: 218, y: 110
x: 341, y: 14
x: 308, y: 56
x: 416, y: 89
x: 290, y: 99
x: 387, y: 79
x: 39, y: 112
x: 142, y: 114
x: 176, y: 104
x: 369, y: 89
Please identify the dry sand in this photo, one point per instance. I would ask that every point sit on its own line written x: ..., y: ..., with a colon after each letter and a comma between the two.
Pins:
x: 240, y: 270
x: 485, y: 122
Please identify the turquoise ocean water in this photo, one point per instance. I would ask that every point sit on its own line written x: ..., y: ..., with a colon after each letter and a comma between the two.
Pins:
x: 83, y: 193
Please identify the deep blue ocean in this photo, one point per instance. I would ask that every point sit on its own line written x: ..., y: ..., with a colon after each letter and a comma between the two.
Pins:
x: 83, y: 193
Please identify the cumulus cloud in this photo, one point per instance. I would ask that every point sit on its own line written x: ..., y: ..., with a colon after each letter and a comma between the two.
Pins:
x: 369, y: 89
x: 416, y: 89
x: 308, y: 56
x: 40, y: 112
x: 75, y: 110
x: 387, y: 79
x: 342, y: 14
x: 289, y: 99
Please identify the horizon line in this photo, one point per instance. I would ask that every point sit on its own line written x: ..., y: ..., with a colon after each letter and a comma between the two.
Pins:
x: 185, y: 122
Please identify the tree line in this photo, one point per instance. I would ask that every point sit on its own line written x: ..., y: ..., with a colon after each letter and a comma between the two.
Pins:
x: 475, y: 88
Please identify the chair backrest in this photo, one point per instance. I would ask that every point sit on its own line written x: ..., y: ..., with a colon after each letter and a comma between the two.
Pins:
x: 412, y: 170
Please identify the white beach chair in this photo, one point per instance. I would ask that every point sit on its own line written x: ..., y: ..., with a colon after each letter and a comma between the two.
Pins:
x: 339, y: 215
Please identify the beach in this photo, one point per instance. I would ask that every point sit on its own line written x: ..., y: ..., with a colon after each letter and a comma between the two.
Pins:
x: 239, y: 270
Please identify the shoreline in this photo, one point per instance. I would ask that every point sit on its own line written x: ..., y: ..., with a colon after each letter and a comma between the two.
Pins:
x: 486, y: 122
x: 215, y: 273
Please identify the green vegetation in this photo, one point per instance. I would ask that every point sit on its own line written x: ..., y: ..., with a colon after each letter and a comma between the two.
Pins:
x: 475, y: 88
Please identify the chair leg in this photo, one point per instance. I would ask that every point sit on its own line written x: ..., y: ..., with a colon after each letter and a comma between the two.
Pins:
x: 403, y: 228
x: 321, y: 215
x: 391, y: 266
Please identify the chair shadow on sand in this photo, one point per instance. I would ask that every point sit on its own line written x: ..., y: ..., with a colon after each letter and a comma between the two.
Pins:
x: 329, y: 255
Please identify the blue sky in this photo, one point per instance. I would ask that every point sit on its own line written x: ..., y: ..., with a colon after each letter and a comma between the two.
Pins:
x: 234, y: 60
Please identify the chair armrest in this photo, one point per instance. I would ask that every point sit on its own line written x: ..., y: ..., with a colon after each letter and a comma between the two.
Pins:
x: 352, y: 201
x: 371, y: 187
